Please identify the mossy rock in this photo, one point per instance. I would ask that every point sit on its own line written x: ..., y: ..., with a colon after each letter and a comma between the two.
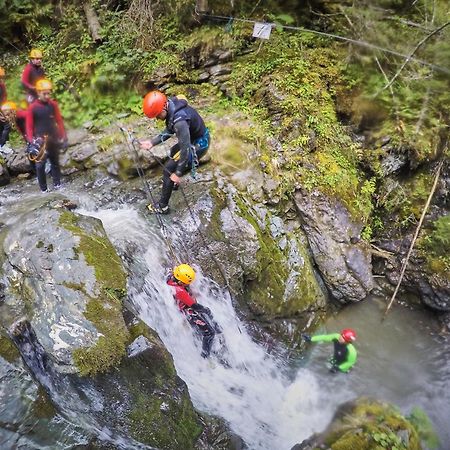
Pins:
x: 367, y: 424
x: 105, y: 310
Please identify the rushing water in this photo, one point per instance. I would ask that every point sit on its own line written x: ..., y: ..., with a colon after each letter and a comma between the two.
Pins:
x: 270, y: 403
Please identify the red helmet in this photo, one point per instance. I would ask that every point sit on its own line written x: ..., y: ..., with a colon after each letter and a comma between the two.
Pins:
x: 154, y: 103
x: 348, y: 335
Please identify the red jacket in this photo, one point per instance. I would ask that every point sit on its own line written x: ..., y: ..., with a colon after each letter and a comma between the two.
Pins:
x: 182, y: 296
x: 30, y: 75
x: 3, y: 95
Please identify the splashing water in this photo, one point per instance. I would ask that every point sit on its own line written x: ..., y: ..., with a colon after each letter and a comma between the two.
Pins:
x: 241, y: 383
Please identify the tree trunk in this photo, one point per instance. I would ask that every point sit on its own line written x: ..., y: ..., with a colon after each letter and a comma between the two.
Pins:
x: 92, y: 21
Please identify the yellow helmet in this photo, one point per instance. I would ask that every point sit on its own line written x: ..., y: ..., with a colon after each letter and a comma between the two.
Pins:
x: 2, y: 72
x: 44, y: 85
x: 184, y: 273
x: 9, y: 106
x: 35, y: 53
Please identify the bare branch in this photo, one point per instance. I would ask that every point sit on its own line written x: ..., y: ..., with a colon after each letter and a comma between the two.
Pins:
x: 411, y: 55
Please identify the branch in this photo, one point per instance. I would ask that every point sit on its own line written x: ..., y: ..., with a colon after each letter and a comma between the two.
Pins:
x: 412, y: 54
x: 419, y: 225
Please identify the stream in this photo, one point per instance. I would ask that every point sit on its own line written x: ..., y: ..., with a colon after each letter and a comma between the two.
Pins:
x: 268, y: 401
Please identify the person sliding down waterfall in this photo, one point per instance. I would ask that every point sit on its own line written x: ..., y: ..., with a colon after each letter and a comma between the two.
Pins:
x: 193, y: 141
x: 344, y: 357
x: 198, y: 316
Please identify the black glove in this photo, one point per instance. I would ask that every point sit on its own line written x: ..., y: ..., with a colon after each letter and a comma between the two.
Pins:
x: 306, y: 337
x: 334, y: 369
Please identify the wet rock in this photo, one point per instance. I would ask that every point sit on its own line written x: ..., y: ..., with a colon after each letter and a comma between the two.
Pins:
x: 219, y: 70
x: 83, y: 152
x: 18, y: 163
x: 393, y: 163
x: 345, y: 266
x: 76, y: 136
x: 4, y: 175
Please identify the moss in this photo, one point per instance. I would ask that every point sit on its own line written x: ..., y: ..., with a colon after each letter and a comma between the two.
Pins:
x: 434, y: 245
x: 171, y: 426
x: 105, y: 310
x: 372, y: 425
x: 406, y: 203
x: 108, y: 140
x: 8, y: 350
x: 266, y: 291
x: 43, y: 407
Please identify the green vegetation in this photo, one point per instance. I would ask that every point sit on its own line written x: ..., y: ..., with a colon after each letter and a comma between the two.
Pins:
x: 105, y: 310
x: 370, y: 425
x: 8, y: 350
x: 435, y: 245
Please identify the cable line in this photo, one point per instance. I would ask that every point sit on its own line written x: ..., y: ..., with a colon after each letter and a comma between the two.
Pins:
x: 334, y: 36
x: 130, y: 140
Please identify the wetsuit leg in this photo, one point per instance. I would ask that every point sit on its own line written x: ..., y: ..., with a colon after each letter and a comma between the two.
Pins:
x: 203, y: 327
x: 167, y: 188
x: 53, y: 156
x: 40, y: 172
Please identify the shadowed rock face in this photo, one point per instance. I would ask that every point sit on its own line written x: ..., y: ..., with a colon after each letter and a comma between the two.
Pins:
x: 343, y: 260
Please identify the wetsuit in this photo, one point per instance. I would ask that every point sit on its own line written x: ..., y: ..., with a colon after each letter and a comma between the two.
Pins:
x: 199, y: 317
x: 344, y: 356
x: 31, y: 73
x: 44, y: 119
x: 3, y: 95
x: 193, y: 142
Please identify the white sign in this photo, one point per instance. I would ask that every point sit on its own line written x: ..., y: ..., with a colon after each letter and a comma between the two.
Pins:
x: 262, y: 30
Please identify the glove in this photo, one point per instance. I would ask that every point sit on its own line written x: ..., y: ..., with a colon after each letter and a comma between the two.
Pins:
x: 306, y: 337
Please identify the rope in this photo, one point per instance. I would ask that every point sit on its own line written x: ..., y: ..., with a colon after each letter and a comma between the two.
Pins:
x: 334, y: 36
x: 419, y: 225
x: 130, y: 140
x: 202, y: 236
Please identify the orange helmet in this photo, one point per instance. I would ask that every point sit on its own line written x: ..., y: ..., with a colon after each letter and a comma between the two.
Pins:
x: 154, y: 103
x: 44, y: 85
x: 9, y: 106
x: 35, y: 53
x: 2, y: 72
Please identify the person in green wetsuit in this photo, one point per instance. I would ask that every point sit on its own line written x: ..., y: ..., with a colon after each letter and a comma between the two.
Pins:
x: 345, y: 355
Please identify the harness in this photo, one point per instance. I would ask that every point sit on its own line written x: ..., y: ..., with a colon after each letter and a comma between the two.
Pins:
x: 36, y: 149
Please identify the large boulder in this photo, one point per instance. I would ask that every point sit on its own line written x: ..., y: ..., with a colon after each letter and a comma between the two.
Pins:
x: 249, y: 249
x: 343, y: 259
x: 61, y: 300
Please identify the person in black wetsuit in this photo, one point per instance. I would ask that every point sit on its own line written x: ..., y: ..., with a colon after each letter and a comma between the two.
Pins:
x: 193, y: 140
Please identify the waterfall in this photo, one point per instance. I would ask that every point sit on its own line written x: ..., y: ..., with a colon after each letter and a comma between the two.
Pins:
x: 256, y: 393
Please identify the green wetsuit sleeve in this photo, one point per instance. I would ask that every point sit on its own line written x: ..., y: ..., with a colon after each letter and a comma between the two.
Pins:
x: 351, y: 359
x: 325, y: 337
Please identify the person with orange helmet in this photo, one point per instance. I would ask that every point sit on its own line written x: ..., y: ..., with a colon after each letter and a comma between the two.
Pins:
x: 198, y: 316
x: 32, y: 72
x: 45, y: 134
x: 186, y: 123
x: 345, y: 355
x: 3, y: 95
